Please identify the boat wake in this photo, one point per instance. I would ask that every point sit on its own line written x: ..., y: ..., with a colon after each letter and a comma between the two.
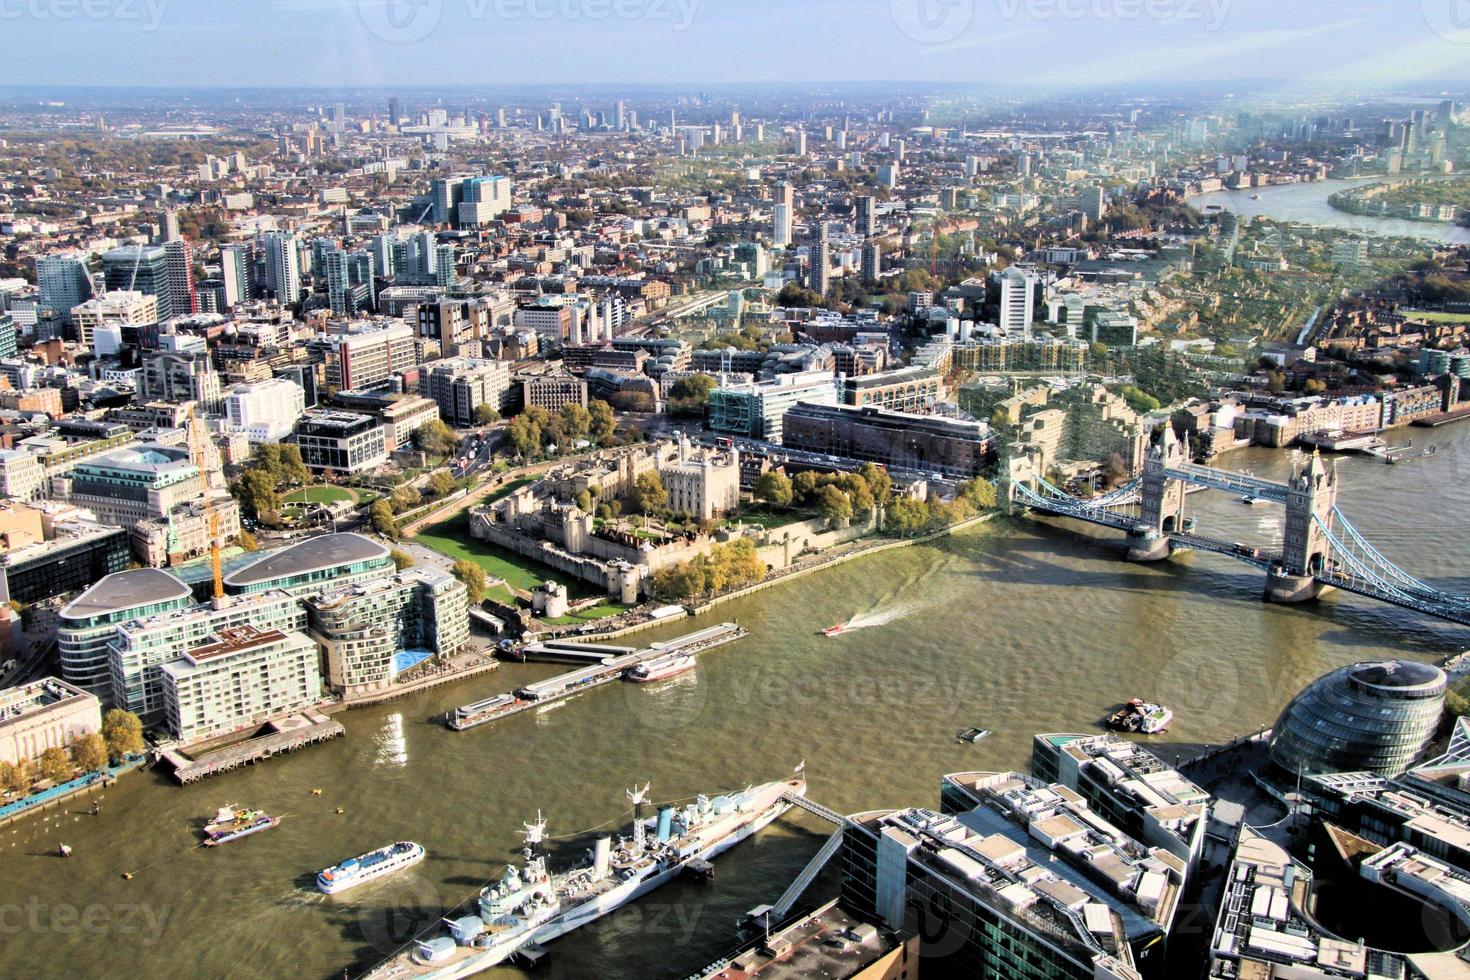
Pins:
x: 881, y: 617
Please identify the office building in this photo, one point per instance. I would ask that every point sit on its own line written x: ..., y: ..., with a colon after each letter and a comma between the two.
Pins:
x: 552, y: 391
x: 236, y: 679
x: 22, y: 477
x: 89, y: 622
x: 75, y: 555
x: 1368, y: 717
x: 461, y: 385
x: 123, y: 311
x: 482, y: 200
x: 133, y: 484
x: 264, y: 411
x: 328, y: 561
x: 1029, y: 884
x: 367, y: 355
x: 178, y: 376
x: 64, y: 283
x: 1017, y: 303
x: 1129, y: 786
x: 446, y: 193
x: 924, y: 443
x: 756, y: 410
x: 372, y: 631
x: 44, y: 714
x: 141, y: 269
x: 340, y: 442
x: 910, y: 389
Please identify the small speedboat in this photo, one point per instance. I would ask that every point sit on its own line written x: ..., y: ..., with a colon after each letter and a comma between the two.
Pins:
x: 836, y: 630
x: 1251, y: 501
x: 973, y: 735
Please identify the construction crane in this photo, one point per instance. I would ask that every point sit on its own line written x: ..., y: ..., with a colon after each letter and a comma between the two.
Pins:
x: 199, y: 453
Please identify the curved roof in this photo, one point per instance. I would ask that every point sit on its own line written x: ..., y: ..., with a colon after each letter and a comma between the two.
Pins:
x: 313, y: 554
x: 1398, y: 674
x: 121, y: 591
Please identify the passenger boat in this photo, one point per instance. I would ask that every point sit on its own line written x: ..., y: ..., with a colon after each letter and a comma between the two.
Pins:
x: 660, y: 668
x: 973, y: 735
x: 370, y: 866
x: 1142, y: 716
x: 836, y: 630
x: 1251, y: 501
x: 232, y: 822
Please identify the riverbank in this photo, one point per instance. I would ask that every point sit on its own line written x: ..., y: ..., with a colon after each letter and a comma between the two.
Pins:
x: 1364, y: 201
x: 57, y: 795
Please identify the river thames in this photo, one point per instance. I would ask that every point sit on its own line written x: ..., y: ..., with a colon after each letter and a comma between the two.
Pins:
x: 1307, y: 203
x: 1019, y: 626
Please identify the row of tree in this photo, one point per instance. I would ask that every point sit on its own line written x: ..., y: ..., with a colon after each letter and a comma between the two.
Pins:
x: 270, y: 466
x: 908, y: 516
x: 121, y: 736
x: 836, y: 496
x: 733, y: 565
x: 536, y: 430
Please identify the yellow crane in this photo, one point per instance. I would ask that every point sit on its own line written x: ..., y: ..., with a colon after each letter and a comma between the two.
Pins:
x: 199, y: 453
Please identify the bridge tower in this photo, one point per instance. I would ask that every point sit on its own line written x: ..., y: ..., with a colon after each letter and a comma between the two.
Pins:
x: 1162, y: 503
x: 1305, y: 549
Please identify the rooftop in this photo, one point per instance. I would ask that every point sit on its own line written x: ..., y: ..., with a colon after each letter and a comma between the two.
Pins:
x: 829, y: 944
x: 313, y: 554
x: 122, y: 591
x: 36, y: 696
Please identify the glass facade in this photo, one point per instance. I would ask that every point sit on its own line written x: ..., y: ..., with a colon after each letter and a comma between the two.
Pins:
x: 1370, y: 717
x: 68, y: 566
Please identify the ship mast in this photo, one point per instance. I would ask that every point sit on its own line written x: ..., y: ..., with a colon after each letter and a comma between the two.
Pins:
x: 534, y: 834
x: 638, y: 797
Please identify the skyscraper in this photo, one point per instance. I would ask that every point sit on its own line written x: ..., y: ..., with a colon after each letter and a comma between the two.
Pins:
x: 819, y: 261
x: 1017, y: 302
x: 282, y: 266
x: 339, y: 295
x: 168, y: 226
x: 64, y: 283
x: 238, y: 272
x: 447, y: 193
x: 483, y: 199
x: 395, y: 111
x: 863, y: 216
x: 143, y: 269
x: 781, y: 232
x: 444, y: 266
x: 872, y: 262
x: 183, y: 299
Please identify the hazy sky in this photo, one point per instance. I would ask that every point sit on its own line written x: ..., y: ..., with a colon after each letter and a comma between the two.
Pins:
x: 1333, y: 43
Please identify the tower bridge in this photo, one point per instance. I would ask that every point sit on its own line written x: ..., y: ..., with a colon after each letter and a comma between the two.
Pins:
x: 1319, y: 548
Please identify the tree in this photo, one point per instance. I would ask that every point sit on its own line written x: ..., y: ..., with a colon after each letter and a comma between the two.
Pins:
x: 256, y: 492
x: 649, y: 493
x: 603, y: 423
x: 774, y: 488
x: 804, y: 487
x: 907, y: 516
x: 441, y: 484
x: 576, y: 421
x: 247, y: 540
x: 1139, y: 400
x: 525, y: 435
x: 382, y: 516
x: 293, y: 468
x: 89, y: 752
x: 880, y: 484
x: 435, y: 438
x: 267, y: 459
x: 401, y: 559
x: 123, y: 733
x: 584, y: 501
x: 834, y: 506
x: 980, y: 492
x: 485, y: 414
x: 54, y: 766
x: 404, y: 498
x: 15, y: 777
x: 473, y: 577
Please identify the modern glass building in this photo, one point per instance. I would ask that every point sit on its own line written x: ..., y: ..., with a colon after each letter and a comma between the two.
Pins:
x: 328, y: 561
x: 89, y: 622
x: 70, y: 562
x: 1369, y: 717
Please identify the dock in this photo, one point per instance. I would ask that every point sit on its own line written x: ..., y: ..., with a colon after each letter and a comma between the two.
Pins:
x: 286, y: 735
x: 567, y: 651
x: 604, y: 670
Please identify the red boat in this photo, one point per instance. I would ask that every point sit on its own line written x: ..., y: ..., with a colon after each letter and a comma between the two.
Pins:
x: 837, y: 630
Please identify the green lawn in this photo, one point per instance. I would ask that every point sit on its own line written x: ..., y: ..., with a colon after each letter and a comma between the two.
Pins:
x: 318, y: 495
x: 452, y: 538
x: 768, y: 517
x: 1434, y: 317
x: 590, y: 615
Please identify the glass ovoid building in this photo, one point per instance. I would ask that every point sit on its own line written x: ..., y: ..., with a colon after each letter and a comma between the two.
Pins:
x: 1369, y: 717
